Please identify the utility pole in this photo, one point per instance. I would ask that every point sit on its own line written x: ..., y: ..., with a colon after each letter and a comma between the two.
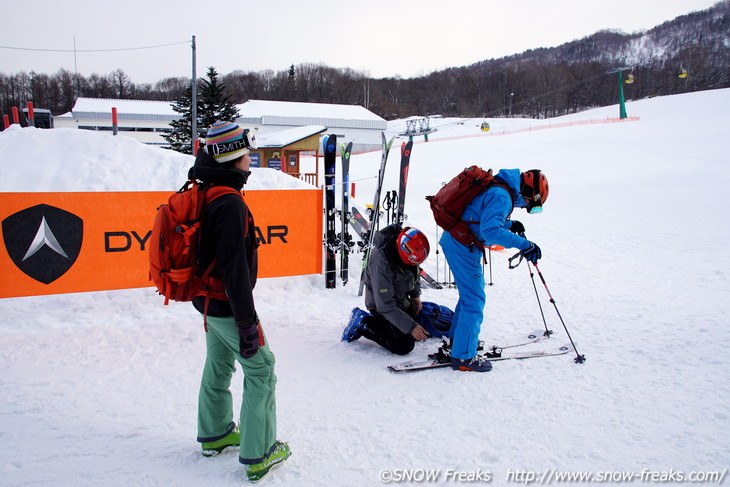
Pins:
x: 194, y: 104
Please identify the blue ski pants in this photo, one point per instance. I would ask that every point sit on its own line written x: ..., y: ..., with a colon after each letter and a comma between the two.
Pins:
x: 466, y: 265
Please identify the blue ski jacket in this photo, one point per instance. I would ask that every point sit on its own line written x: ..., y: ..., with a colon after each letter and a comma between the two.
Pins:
x: 491, y: 209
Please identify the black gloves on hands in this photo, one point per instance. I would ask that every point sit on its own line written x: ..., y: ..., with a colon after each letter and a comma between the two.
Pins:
x: 517, y: 227
x: 532, y: 253
x: 249, y: 339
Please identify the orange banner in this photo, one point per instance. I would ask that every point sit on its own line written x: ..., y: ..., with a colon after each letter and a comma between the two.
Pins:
x: 57, y: 243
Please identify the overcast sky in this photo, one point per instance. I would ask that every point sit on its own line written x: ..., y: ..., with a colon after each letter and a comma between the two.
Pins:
x: 381, y: 37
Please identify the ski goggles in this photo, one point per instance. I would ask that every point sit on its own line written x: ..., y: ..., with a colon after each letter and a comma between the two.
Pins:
x: 249, y: 138
x: 533, y: 205
x: 247, y: 141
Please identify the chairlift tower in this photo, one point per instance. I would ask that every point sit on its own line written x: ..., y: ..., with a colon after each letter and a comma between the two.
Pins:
x: 621, y: 100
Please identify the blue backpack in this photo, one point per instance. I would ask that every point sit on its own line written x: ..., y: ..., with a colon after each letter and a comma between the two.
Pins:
x: 436, y: 319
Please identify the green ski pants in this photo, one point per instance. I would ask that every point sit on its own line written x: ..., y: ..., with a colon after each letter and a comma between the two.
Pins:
x: 258, y: 406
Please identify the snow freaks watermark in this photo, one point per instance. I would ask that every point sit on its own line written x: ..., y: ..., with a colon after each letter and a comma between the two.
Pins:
x: 646, y: 476
x: 550, y: 476
x: 420, y: 475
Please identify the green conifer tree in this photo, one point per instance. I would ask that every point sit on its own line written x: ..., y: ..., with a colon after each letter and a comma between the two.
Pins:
x: 213, y: 105
x: 179, y: 136
x: 216, y: 105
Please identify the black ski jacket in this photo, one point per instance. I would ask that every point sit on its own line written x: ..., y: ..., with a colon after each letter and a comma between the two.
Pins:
x: 390, y: 284
x: 228, y: 236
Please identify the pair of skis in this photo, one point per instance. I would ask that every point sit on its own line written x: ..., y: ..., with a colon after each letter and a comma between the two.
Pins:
x: 361, y: 226
x: 374, y: 220
x: 345, y: 237
x: 405, y: 164
x: 330, y: 240
x: 494, y: 353
x: 366, y: 228
x: 333, y: 241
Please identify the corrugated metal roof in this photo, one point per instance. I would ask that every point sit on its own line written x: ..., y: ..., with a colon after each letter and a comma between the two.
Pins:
x: 101, y: 108
x: 286, y: 137
x: 104, y: 105
x: 264, y: 112
x: 253, y: 112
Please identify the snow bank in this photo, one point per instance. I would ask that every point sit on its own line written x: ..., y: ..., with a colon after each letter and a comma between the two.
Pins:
x: 66, y: 160
x: 102, y: 387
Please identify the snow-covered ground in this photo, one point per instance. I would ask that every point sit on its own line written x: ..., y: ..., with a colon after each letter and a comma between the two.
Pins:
x: 101, y: 388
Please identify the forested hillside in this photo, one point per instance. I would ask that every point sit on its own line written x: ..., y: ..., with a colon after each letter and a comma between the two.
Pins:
x: 542, y: 82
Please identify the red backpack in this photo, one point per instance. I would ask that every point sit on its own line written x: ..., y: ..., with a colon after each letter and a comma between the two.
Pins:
x: 448, y: 204
x: 174, y: 242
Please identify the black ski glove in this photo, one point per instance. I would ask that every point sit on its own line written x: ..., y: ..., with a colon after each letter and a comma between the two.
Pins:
x: 532, y: 253
x: 248, y: 339
x: 517, y: 227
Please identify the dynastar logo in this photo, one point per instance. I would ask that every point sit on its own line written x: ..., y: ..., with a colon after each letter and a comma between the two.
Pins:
x: 43, y: 241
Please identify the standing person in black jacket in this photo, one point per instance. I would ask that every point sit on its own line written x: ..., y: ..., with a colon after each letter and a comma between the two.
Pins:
x: 233, y: 331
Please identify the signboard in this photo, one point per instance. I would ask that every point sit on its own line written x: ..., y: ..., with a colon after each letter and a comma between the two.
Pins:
x: 255, y: 159
x: 274, y: 164
x: 75, y: 242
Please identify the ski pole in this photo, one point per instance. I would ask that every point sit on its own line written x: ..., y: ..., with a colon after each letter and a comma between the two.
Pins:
x: 490, y: 266
x: 437, y: 253
x: 539, y: 304
x: 579, y: 359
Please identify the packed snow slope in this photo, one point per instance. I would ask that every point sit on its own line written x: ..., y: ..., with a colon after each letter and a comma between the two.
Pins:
x: 101, y: 388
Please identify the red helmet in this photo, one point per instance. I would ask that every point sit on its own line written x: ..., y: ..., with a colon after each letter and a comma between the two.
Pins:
x: 534, y: 188
x: 413, y: 246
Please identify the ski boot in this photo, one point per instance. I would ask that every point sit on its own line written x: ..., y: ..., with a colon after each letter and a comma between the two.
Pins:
x: 257, y: 471
x: 213, y: 448
x: 477, y: 363
x: 354, y: 327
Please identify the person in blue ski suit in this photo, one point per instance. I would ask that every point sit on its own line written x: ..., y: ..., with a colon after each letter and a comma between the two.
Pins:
x: 490, y: 211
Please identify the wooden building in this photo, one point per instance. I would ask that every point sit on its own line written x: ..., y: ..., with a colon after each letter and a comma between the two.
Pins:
x: 282, y: 150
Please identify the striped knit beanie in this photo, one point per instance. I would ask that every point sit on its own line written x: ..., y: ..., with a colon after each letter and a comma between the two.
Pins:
x: 225, y: 142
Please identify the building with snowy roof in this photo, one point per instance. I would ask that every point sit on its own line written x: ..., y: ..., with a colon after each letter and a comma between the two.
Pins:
x: 148, y: 120
x: 282, y: 150
x: 351, y: 123
x: 143, y: 120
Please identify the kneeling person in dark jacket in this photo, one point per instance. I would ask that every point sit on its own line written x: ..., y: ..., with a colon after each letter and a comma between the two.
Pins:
x: 392, y: 292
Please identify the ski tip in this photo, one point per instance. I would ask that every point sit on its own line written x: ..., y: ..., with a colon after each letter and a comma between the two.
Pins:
x: 536, y: 334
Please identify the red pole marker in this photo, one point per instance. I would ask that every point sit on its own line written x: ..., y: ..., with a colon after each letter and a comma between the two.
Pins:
x: 31, y: 116
x: 115, y: 125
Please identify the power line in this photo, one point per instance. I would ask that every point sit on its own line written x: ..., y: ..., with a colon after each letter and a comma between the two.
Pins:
x: 93, y: 50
